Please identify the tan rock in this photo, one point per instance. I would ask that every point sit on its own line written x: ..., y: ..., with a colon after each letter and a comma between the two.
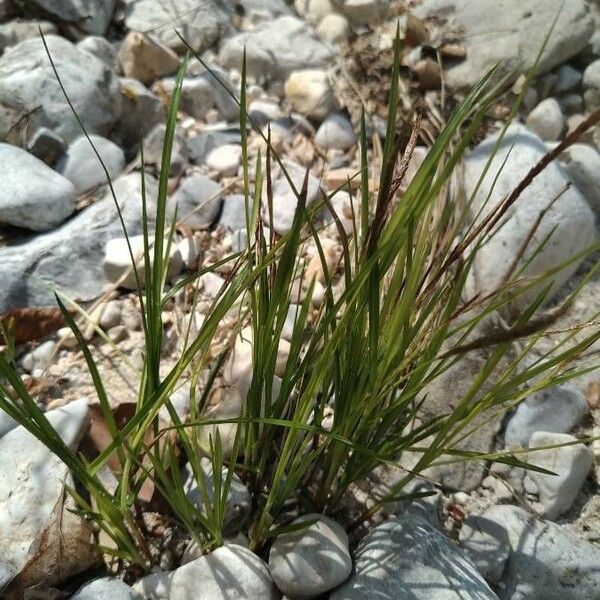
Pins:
x: 309, y: 92
x: 146, y: 60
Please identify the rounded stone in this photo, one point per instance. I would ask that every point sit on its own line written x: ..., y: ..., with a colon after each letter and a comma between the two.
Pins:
x: 231, y: 571
x: 546, y: 120
x: 106, y: 588
x: 309, y: 93
x: 486, y: 544
x: 32, y: 195
x: 311, y: 561
x: 335, y: 133
x: 225, y: 159
x: 557, y: 409
x: 198, y: 200
x: 83, y: 168
x: 591, y: 85
x: 333, y: 28
x: 571, y: 465
x: 93, y: 87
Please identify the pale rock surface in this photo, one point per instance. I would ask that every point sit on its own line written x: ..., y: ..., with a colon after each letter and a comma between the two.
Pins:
x: 238, y: 503
x: 512, y: 34
x: 201, y: 24
x: 93, y: 87
x: 309, y: 92
x: 581, y: 162
x: 92, y: 16
x: 333, y: 28
x: 335, y: 133
x: 276, y: 48
x: 117, y: 261
x: 486, y: 543
x: 81, y: 166
x: 310, y: 561
x: 548, y: 561
x: 32, y: 269
x: 225, y: 159
x: 558, y: 409
x: 145, y: 59
x: 32, y: 195
x: 231, y: 571
x: 41, y: 540
x: 104, y: 589
x: 570, y: 463
x: 546, y: 120
x: 570, y: 218
x: 410, y: 558
x: 142, y: 111
x: 285, y: 200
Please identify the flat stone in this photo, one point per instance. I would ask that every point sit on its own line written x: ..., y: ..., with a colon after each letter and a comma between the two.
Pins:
x: 32, y: 195
x: 199, y: 146
x: 92, y: 87
x: 408, y: 558
x: 264, y: 111
x: 40, y: 357
x: 548, y: 562
x: 512, y: 34
x: 558, y: 409
x: 197, y: 95
x: 111, y: 315
x: 441, y: 397
x: 571, y: 464
x: 70, y: 258
x: 264, y: 10
x: 231, y: 571
x: 198, y: 200
x: 570, y: 103
x: 486, y: 543
x: 276, y: 48
x: 569, y: 221
x: 190, y: 249
x: 41, y: 540
x: 568, y: 78
x: 314, y: 10
x: 7, y: 423
x: 81, y: 165
x: 384, y: 479
x: 311, y: 561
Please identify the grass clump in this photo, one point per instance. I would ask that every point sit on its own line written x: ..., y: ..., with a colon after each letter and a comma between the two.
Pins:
x: 346, y: 397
